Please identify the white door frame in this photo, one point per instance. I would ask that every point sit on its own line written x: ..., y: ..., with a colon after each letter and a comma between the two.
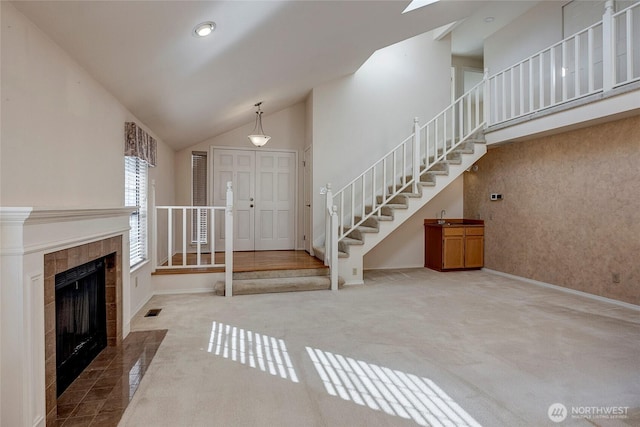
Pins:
x: 307, y: 211
x: 296, y: 209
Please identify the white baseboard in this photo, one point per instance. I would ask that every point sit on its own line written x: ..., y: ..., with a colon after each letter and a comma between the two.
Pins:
x: 142, y: 304
x: 565, y: 290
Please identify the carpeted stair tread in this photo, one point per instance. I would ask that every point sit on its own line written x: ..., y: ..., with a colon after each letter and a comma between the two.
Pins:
x: 397, y: 206
x: 352, y: 241
x: 319, y: 253
x: 383, y: 217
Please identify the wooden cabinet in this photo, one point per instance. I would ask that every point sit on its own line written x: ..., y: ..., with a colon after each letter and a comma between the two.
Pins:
x: 456, y: 245
x: 452, y: 248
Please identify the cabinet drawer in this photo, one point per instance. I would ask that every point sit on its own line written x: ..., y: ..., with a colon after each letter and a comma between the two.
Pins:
x: 475, y: 231
x: 453, y: 231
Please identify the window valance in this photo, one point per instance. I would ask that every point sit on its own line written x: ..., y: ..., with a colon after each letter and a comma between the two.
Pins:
x: 138, y: 143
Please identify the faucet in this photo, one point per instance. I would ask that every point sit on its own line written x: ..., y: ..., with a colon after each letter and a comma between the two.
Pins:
x: 442, y: 214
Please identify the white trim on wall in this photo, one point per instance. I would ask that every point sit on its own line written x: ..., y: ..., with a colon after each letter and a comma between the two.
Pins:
x: 565, y: 290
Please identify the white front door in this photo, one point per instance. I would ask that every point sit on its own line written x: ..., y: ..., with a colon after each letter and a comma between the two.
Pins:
x: 264, y: 198
x: 238, y: 167
x: 275, y: 196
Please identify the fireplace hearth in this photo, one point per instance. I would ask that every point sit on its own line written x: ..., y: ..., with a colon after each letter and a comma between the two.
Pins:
x: 81, y: 323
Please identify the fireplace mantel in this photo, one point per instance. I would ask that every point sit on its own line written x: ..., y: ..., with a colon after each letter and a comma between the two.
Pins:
x: 27, y: 234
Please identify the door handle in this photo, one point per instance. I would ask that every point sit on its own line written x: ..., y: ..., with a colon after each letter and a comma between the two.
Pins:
x: 251, y: 199
x: 250, y: 206
x: 308, y: 206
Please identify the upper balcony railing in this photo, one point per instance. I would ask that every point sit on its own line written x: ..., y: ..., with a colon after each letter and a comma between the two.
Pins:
x: 599, y: 58
x: 626, y: 45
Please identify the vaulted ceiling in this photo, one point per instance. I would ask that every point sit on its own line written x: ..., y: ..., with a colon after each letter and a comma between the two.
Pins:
x: 188, y: 89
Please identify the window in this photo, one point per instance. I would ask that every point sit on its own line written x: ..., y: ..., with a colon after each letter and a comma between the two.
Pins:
x: 199, y: 194
x: 135, y: 194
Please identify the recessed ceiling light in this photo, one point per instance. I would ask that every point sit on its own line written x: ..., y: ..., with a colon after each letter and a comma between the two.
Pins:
x: 204, y: 29
x: 489, y: 19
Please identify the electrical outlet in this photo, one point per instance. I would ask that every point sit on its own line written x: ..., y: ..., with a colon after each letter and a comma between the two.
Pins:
x: 615, y: 277
x: 354, y: 271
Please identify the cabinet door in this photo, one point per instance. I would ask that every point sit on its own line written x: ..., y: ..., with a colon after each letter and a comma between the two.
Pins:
x: 453, y: 252
x: 474, y: 252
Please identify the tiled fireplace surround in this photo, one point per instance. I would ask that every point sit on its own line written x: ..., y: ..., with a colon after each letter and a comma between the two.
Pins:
x: 60, y: 261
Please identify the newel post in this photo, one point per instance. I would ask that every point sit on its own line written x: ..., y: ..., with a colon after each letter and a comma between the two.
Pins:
x: 417, y: 156
x: 334, y: 248
x: 327, y: 226
x: 228, y: 243
x: 486, y: 107
x: 608, y: 47
x: 154, y: 227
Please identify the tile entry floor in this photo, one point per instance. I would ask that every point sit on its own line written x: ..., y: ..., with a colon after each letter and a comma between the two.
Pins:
x: 99, y: 396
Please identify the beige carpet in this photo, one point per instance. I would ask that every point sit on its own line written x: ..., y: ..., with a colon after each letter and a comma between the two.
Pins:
x: 411, y: 347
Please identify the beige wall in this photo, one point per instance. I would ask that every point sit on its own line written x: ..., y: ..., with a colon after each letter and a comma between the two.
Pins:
x: 538, y: 28
x: 571, y: 209
x: 359, y: 118
x: 287, y: 130
x: 62, y: 133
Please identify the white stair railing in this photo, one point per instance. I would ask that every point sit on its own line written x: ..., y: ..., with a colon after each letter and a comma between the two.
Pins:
x: 599, y: 58
x: 400, y: 169
x: 197, y: 246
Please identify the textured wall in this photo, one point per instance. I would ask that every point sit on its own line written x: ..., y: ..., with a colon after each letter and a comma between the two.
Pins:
x: 571, y: 209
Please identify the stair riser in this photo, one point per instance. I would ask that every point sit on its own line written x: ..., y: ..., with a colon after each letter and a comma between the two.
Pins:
x: 291, y: 288
x: 272, y: 274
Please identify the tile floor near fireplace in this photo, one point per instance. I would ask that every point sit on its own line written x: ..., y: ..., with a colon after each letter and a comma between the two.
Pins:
x: 99, y: 396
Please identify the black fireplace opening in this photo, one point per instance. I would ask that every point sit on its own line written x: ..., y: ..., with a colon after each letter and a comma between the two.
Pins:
x: 81, y: 320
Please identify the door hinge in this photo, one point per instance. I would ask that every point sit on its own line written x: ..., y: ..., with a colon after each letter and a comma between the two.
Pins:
x: 304, y: 163
x: 304, y: 237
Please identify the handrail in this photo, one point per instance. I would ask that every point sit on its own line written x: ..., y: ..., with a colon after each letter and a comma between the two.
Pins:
x: 202, y: 235
x: 631, y: 53
x: 584, y: 30
x: 557, y: 74
x: 596, y: 59
x: 402, y: 166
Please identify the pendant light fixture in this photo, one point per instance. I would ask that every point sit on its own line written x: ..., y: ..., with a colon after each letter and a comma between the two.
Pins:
x: 258, y: 138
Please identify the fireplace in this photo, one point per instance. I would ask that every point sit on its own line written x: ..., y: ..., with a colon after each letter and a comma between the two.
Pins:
x: 36, y: 245
x: 63, y: 269
x: 81, y: 323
